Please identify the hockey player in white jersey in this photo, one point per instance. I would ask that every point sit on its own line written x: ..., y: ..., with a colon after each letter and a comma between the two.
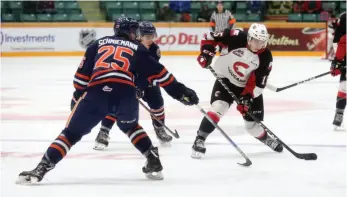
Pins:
x: 244, y: 65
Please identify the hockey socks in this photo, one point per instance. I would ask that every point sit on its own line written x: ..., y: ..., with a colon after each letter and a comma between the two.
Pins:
x: 107, y: 123
x: 58, y: 149
x: 160, y: 114
x: 140, y: 139
x: 206, y: 127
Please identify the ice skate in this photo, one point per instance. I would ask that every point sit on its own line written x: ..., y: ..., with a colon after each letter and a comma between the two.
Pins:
x: 153, y: 167
x: 162, y: 136
x: 273, y: 143
x: 338, y: 122
x: 102, y: 140
x: 198, y: 148
x: 36, y: 175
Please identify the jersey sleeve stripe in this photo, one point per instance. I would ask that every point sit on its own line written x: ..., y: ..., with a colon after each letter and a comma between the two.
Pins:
x: 162, y: 79
x: 172, y: 78
x: 82, y: 76
x: 80, y: 82
x: 151, y: 78
x: 78, y: 87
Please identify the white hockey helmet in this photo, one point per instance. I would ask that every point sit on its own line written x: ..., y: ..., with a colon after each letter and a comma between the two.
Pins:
x: 259, y: 35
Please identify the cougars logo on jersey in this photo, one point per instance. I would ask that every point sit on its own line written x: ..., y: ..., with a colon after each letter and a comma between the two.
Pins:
x: 238, y: 63
x: 237, y: 66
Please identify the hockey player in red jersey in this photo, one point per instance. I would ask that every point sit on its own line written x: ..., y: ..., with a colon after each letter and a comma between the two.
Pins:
x: 115, y: 60
x: 245, y: 68
x: 338, y: 67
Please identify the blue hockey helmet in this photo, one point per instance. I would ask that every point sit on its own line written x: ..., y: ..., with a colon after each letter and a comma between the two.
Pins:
x: 147, y: 28
x: 126, y: 27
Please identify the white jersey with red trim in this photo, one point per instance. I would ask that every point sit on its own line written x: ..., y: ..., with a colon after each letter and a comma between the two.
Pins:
x: 237, y: 63
x: 237, y: 66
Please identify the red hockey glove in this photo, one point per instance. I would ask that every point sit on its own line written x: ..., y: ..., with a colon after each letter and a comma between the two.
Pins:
x: 206, y: 55
x: 336, y: 67
x: 244, y: 106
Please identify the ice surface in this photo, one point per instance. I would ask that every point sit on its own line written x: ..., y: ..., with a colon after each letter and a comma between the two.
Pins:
x: 36, y: 93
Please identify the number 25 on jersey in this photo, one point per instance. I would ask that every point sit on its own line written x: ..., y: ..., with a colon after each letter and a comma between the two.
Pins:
x: 117, y: 53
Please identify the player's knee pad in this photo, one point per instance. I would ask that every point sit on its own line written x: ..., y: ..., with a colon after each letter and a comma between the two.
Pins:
x: 126, y: 125
x: 342, y: 90
x: 253, y: 128
x: 155, y: 103
x: 342, y: 87
x: 217, y: 110
x: 72, y: 137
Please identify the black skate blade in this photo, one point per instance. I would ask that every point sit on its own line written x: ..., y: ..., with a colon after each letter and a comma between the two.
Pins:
x: 246, y: 164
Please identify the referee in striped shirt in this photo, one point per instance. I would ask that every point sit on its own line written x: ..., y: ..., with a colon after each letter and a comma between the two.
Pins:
x: 221, y: 18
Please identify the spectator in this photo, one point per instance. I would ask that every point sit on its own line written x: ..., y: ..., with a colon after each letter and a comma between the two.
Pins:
x: 307, y: 7
x: 204, y: 14
x: 299, y: 7
x: 45, y: 7
x: 180, y: 6
x: 221, y: 18
x: 286, y: 7
x: 280, y: 7
x: 166, y: 14
x: 313, y: 6
x: 185, y: 17
x: 29, y: 7
x: 255, y: 7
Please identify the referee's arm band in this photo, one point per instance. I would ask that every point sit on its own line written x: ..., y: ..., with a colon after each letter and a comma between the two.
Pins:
x: 232, y: 21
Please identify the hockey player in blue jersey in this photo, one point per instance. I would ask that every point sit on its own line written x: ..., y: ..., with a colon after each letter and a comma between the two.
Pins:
x: 110, y: 89
x: 151, y: 94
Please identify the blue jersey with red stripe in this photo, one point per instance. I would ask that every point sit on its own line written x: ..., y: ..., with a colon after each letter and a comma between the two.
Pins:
x: 117, y: 60
x: 140, y: 81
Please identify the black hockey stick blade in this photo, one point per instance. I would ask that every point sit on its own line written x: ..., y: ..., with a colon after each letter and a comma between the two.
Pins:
x: 247, y: 163
x: 176, y: 134
x: 306, y: 156
x: 273, y: 88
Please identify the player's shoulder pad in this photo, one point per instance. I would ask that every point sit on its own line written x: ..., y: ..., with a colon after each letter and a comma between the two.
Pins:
x: 236, y: 32
x: 265, y: 57
x: 142, y: 50
x: 155, y: 49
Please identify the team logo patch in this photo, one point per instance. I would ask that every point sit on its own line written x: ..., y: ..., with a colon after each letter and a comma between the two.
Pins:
x: 106, y: 89
x: 238, y: 52
x: 158, y: 53
x: 217, y: 94
x: 87, y: 37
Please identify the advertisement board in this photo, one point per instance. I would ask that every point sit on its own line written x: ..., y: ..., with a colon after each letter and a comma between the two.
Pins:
x: 172, y: 38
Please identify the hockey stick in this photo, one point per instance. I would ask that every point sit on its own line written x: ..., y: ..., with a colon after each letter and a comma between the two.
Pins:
x: 306, y: 156
x: 273, y: 88
x: 248, y: 161
x: 175, y: 134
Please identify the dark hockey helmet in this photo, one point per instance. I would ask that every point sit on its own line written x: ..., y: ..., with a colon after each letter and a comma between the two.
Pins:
x: 147, y: 28
x: 126, y: 27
